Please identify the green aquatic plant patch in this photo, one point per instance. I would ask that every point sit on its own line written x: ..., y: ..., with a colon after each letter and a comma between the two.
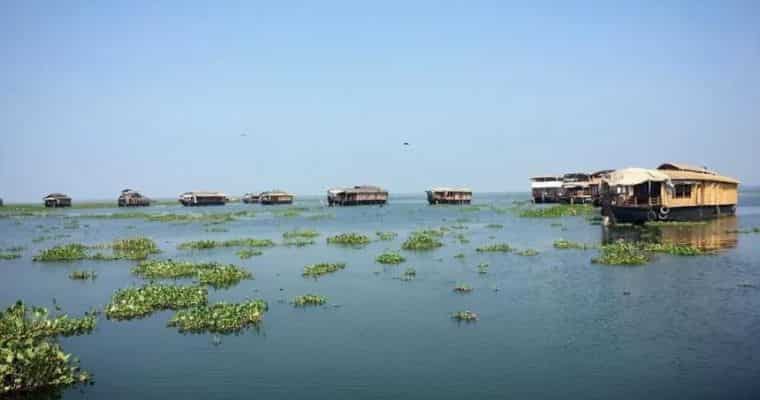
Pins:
x: 212, y: 244
x: 409, y: 274
x: 527, y: 252
x: 349, y: 239
x: 424, y: 240
x: 482, y: 268
x: 317, y: 270
x: 138, y: 302
x: 245, y: 254
x: 83, y: 275
x: 298, y: 242
x: 213, y: 274
x: 309, y: 300
x: 390, y: 258
x: 621, y: 253
x: 561, y: 210
x: 220, y: 317
x: 223, y: 276
x: 7, y: 255
x: 67, y: 252
x: 464, y: 316
x: 459, y: 255
x: 563, y: 244
x: 31, y: 359
x: 494, y: 226
x: 674, y: 249
x: 497, y: 247
x: 138, y: 248
x: 300, y: 233
x: 386, y: 235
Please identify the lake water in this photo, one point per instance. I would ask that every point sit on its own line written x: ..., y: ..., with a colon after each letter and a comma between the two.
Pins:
x: 551, y: 326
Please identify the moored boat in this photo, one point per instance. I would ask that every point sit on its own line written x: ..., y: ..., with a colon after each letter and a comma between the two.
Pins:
x: 57, y: 200
x: 132, y: 198
x: 449, y: 195
x: 202, y: 198
x: 276, y: 197
x: 357, y: 195
x: 576, y: 188
x: 546, y: 189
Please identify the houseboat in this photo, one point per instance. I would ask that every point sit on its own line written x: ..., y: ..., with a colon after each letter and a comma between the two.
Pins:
x: 57, y: 200
x: 449, y: 195
x: 251, y: 198
x: 357, y: 195
x: 132, y: 198
x: 672, y: 192
x: 575, y: 188
x: 546, y: 189
x: 595, y: 185
x: 1, y: 201
x: 276, y: 197
x: 203, y: 199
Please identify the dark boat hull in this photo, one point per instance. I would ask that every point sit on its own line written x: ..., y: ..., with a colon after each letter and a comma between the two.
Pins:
x: 205, y: 203
x: 275, y: 202
x: 639, y: 215
x: 547, y: 200
x: 332, y: 203
x: 448, y: 201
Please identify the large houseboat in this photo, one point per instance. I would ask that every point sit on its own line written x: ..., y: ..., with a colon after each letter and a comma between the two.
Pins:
x: 203, y: 199
x: 595, y: 185
x: 251, y: 198
x: 57, y: 200
x: 546, y: 189
x: 357, y: 195
x: 276, y: 197
x: 576, y: 188
x: 449, y: 195
x: 132, y: 198
x: 672, y: 192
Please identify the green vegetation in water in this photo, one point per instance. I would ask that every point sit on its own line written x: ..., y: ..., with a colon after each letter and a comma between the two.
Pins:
x: 245, y: 254
x: 291, y: 212
x: 216, y: 230
x: 527, y: 252
x: 386, y: 235
x: 300, y: 233
x: 462, y: 239
x: 675, y: 223
x: 83, y: 275
x: 463, y: 288
x: 298, y: 242
x: 497, y: 247
x: 459, y: 227
x: 566, y: 244
x: 317, y: 270
x: 138, y: 248
x: 423, y: 240
x: 465, y: 316
x: 673, y: 249
x: 459, y: 255
x: 212, y: 244
x: 219, y: 317
x: 321, y: 216
x: 138, y: 302
x: 561, y: 210
x: 621, y: 253
x: 67, y: 252
x: 31, y: 359
x: 213, y: 274
x: 309, y: 300
x: 390, y: 258
x: 482, y: 268
x: 349, y: 239
x: 7, y: 255
x: 494, y: 226
x: 409, y: 274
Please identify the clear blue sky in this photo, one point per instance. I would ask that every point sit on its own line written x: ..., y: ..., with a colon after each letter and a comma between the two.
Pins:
x: 98, y: 96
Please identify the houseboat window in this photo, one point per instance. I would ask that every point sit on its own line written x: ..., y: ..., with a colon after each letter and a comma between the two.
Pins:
x: 683, y: 191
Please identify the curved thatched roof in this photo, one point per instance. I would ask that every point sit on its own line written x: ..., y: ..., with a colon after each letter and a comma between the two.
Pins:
x: 680, y: 171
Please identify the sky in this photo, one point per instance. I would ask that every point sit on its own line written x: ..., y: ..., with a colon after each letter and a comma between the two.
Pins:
x: 172, y: 96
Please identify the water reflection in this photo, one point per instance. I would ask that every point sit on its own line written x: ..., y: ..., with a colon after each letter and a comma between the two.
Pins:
x: 709, y: 235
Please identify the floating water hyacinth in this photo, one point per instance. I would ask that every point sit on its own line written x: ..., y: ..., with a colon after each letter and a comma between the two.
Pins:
x: 7, y: 255
x: 498, y: 247
x: 67, y: 252
x: 309, y: 300
x: 317, y: 270
x: 141, y: 301
x: 621, y: 253
x: 386, y: 235
x: 131, y: 249
x: 674, y: 249
x: 213, y: 274
x: 562, y: 210
x: 134, y: 248
x: 300, y: 233
x: 527, y: 253
x: 83, y: 275
x: 223, y: 276
x: 459, y: 255
x: 245, y: 254
x: 220, y: 317
x: 390, y: 258
x: 466, y: 316
x: 298, y: 242
x: 566, y: 244
x: 482, y: 268
x: 424, y: 240
x: 349, y: 239
x: 30, y: 357
x: 211, y: 244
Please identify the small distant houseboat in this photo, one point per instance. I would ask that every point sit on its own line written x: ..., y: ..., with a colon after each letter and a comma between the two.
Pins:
x: 203, y: 199
x: 1, y: 202
x: 357, y: 195
x: 449, y: 195
x: 576, y: 188
x: 57, y: 200
x: 276, y: 197
x: 250, y: 198
x: 595, y: 185
x: 672, y: 192
x: 132, y: 198
x: 546, y: 189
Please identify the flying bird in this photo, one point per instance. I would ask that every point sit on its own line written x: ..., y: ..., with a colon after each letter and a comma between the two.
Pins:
x: 406, y: 143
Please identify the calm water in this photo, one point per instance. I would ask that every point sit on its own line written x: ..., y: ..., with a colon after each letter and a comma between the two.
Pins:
x: 551, y: 326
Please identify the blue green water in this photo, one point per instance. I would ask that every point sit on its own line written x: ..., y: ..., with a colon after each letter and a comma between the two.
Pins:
x: 551, y: 326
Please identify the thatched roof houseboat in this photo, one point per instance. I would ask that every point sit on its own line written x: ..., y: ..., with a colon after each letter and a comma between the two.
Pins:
x: 595, y: 185
x: 357, y: 195
x: 57, y: 200
x: 132, y: 198
x: 202, y: 198
x: 546, y: 188
x: 576, y: 188
x: 276, y: 197
x: 672, y: 192
x: 449, y: 195
x: 250, y: 198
